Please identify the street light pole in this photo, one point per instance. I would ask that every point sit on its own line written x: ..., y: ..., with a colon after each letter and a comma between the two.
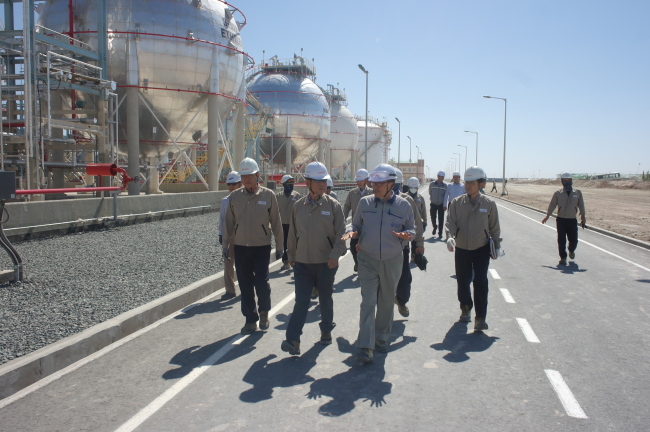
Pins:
x: 465, y: 155
x: 365, y: 162
x: 399, y: 140
x: 476, y: 145
x: 505, y: 116
x: 409, y: 148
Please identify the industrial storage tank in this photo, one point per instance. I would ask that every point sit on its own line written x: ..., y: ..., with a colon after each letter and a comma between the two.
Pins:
x: 344, y: 135
x: 175, y: 52
x: 301, y: 113
x: 376, y: 142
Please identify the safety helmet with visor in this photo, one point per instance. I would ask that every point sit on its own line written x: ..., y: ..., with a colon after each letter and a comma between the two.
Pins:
x: 362, y: 175
x: 475, y: 173
x: 233, y: 178
x: 383, y: 172
x: 248, y: 166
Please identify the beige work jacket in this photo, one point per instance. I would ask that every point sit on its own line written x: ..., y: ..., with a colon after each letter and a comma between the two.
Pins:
x: 352, y: 201
x: 285, y: 204
x: 315, y: 231
x: 252, y: 217
x: 473, y: 225
x: 567, y: 204
x: 417, y: 218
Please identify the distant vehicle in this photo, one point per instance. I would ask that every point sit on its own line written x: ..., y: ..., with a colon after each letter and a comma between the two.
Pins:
x: 605, y: 176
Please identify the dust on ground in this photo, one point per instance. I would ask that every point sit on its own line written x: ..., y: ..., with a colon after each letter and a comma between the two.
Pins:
x: 621, y: 206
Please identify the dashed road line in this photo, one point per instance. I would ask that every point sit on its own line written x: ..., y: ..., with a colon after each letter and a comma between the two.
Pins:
x: 170, y: 393
x: 494, y: 274
x: 571, y: 405
x: 528, y: 330
x: 506, y: 295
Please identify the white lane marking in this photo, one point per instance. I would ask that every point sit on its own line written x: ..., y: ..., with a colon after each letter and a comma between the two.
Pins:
x: 169, y: 394
x: 571, y: 405
x: 528, y: 330
x: 582, y: 241
x: 494, y: 274
x: 507, y: 296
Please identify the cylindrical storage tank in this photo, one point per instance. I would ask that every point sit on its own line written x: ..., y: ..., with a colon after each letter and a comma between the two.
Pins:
x: 175, y: 52
x: 375, y: 143
x: 344, y: 135
x: 301, y: 114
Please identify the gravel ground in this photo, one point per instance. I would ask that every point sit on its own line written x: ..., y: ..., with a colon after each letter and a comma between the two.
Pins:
x: 79, y: 280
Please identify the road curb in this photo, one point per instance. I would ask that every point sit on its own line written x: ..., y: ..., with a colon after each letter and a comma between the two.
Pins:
x: 621, y: 237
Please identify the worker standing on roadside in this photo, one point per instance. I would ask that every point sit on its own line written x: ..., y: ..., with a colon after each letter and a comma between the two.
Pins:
x: 383, y: 222
x: 568, y: 201
x: 454, y: 190
x: 233, y: 182
x: 437, y: 191
x: 413, y: 187
x: 473, y: 222
x: 351, y: 203
x: 317, y: 221
x: 330, y: 188
x: 403, y: 292
x: 286, y: 200
x: 252, y: 215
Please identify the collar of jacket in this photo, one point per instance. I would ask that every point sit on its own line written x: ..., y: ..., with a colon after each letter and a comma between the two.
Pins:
x: 310, y: 201
x: 255, y: 192
x: 390, y: 200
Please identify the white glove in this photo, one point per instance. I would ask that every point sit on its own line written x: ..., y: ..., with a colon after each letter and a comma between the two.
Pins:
x: 451, y: 244
x: 500, y: 252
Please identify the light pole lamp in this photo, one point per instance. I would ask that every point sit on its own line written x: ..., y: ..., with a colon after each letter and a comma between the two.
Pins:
x: 365, y: 162
x: 399, y: 139
x: 465, y: 155
x: 476, y: 145
x: 409, y: 148
x: 505, y: 115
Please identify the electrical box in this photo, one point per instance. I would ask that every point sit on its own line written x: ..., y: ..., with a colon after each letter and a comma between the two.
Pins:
x: 7, y: 185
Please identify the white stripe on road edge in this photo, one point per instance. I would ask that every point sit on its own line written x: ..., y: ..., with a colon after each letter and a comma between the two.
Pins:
x: 571, y: 405
x: 507, y: 296
x: 528, y: 330
x: 168, y: 395
x: 582, y: 241
x: 494, y: 274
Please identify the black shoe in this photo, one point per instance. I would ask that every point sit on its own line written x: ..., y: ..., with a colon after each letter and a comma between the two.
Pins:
x: 562, y: 262
x: 356, y: 267
x: 292, y: 347
x: 264, y: 320
x: 466, y: 314
x: 381, y: 346
x: 228, y: 296
x: 249, y: 328
x: 365, y: 355
x: 480, y: 324
x: 572, y: 255
x: 325, y: 338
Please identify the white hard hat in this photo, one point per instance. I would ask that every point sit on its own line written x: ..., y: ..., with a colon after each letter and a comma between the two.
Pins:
x: 330, y: 183
x: 316, y: 171
x: 399, y: 176
x: 248, y: 166
x: 233, y: 177
x: 566, y: 176
x: 362, y: 174
x: 441, y: 173
x: 383, y: 172
x: 286, y: 178
x: 456, y: 173
x: 475, y: 173
x: 414, y: 182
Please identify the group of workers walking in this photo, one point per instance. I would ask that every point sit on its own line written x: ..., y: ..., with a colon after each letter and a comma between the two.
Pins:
x: 387, y: 231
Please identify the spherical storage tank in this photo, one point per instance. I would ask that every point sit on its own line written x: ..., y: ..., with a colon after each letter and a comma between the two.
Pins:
x: 376, y: 142
x: 344, y: 132
x: 161, y: 47
x: 301, y: 115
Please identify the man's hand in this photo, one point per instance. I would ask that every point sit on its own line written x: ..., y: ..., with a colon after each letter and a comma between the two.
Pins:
x: 403, y: 235
x: 348, y: 235
x: 424, y: 226
x: 220, y: 239
x: 545, y: 219
x: 451, y: 244
x: 292, y: 263
x: 224, y: 252
x: 444, y: 209
x: 419, y: 250
x: 358, y: 247
x: 332, y: 263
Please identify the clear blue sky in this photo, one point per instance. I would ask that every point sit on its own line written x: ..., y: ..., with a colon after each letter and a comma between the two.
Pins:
x: 576, y: 75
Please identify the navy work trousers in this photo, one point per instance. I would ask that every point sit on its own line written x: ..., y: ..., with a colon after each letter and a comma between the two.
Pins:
x: 252, y: 266
x: 308, y: 276
x: 285, y: 229
x: 403, y: 293
x: 567, y: 228
x: 473, y: 264
x: 437, y: 209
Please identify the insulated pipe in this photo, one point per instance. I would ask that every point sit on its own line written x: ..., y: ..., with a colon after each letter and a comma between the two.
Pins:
x: 240, y: 135
x: 213, y: 125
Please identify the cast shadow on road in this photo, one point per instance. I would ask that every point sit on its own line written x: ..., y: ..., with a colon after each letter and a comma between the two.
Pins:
x: 365, y: 383
x: 313, y: 316
x: 571, y: 268
x: 458, y: 342
x: 643, y: 280
x: 207, y: 308
x: 190, y: 358
x: 347, y: 283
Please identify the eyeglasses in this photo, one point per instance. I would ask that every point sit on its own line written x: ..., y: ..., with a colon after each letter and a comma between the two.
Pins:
x: 379, y: 184
x: 319, y: 181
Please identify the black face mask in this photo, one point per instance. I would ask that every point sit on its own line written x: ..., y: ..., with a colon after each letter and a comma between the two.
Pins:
x: 288, y: 188
x: 568, y: 185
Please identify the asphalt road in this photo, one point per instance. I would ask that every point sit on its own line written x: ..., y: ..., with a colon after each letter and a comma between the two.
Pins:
x: 582, y: 365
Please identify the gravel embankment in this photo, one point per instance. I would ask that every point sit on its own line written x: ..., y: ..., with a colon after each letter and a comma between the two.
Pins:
x: 77, y: 281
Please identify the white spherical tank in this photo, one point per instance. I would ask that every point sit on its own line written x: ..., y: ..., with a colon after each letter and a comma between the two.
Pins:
x: 375, y: 143
x: 175, y: 52
x: 301, y: 114
x: 344, y: 135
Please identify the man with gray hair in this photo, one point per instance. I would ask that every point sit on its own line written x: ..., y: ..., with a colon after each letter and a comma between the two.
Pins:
x: 454, y: 190
x: 437, y: 192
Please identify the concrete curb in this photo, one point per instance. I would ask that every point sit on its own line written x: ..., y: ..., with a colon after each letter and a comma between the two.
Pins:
x: 621, y: 237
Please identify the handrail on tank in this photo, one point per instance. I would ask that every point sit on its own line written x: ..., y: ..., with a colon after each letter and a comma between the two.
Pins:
x: 107, y: 170
x: 243, y: 24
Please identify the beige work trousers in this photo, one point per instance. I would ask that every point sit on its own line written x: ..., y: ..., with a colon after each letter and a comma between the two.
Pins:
x: 229, y: 270
x: 378, y: 279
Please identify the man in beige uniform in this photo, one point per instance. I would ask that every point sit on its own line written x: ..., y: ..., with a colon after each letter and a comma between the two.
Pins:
x: 567, y: 200
x: 315, y: 246
x: 286, y: 199
x: 252, y: 215
x: 351, y: 204
x: 472, y: 220
x: 233, y: 182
